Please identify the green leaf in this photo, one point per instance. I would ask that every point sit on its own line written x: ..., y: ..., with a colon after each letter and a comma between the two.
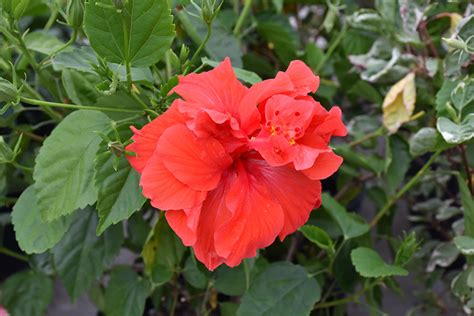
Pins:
x: 126, y: 293
x: 137, y: 231
x: 162, y: 253
x: 65, y: 164
x: 27, y: 293
x: 43, y: 42
x: 222, y: 42
x: 346, y: 275
x: 407, y: 249
x: 427, y: 139
x: 444, y: 96
x: 118, y: 100
x: 399, y: 162
x: 242, y: 74
x: 318, y: 236
x: 119, y: 193
x: 456, y: 133
x: 228, y: 308
x: 193, y: 274
x: 82, y: 60
x: 468, y: 207
x: 465, y: 244
x: 369, y: 264
x: 81, y: 257
x: 368, y: 162
x: 6, y: 153
x: 279, y: 34
x: 233, y: 281
x: 313, y: 55
x: 32, y: 233
x: 80, y: 87
x: 281, y: 289
x: 139, y: 34
x: 351, y: 225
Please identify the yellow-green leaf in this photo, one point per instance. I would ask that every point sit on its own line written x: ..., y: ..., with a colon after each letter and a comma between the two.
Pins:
x: 399, y: 103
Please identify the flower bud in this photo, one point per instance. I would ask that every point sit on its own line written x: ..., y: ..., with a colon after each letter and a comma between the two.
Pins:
x: 454, y: 43
x: 183, y: 54
x: 15, y: 8
x: 174, y: 59
x: 75, y: 13
x: 118, y: 4
x: 8, y: 92
x: 209, y: 10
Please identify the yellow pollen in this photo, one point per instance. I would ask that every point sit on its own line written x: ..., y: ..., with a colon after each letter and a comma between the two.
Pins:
x: 273, y: 130
x: 292, y: 141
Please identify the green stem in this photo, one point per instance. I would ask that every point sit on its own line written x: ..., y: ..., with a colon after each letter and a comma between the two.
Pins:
x: 175, y: 300
x: 55, y: 116
x: 13, y: 254
x: 200, y: 48
x: 23, y: 168
x: 71, y: 41
x: 403, y: 190
x: 126, y: 38
x: 376, y: 133
x: 341, y: 301
x: 129, y: 75
x: 75, y: 106
x: 331, y: 48
x: 206, y: 298
x: 348, y: 299
x: 243, y: 16
x: 51, y: 20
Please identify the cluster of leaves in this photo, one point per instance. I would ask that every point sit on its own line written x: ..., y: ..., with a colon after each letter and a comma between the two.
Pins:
x: 75, y: 74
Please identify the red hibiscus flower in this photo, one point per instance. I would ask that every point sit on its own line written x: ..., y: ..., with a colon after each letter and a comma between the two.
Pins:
x: 235, y: 167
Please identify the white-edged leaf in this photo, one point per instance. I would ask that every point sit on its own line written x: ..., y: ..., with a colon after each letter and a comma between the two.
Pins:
x: 456, y: 133
x: 465, y: 244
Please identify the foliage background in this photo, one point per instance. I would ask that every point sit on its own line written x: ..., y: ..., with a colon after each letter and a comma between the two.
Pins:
x: 400, y: 206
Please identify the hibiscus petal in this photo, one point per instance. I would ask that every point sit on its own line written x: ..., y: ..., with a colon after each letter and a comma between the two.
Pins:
x: 296, y: 194
x: 325, y: 165
x: 276, y: 149
x: 332, y: 124
x: 197, y: 162
x: 164, y: 190
x: 305, y: 157
x: 259, y: 92
x: 303, y: 78
x: 256, y: 219
x: 204, y: 248
x: 217, y: 90
x: 288, y: 115
x: 146, y: 139
x: 185, y: 223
